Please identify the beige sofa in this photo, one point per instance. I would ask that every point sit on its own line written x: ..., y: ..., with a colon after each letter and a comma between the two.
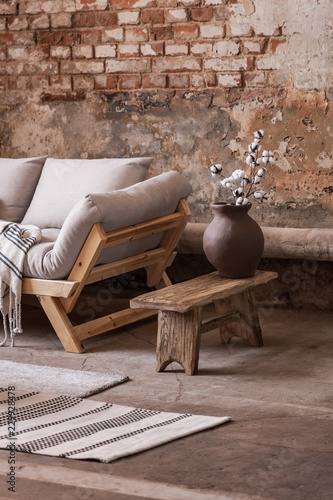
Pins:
x: 98, y: 218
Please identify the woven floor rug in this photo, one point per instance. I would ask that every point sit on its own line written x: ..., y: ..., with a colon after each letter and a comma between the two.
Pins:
x: 70, y: 427
x: 79, y: 383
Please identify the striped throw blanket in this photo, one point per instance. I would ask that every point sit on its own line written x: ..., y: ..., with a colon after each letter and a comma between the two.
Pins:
x: 15, y: 241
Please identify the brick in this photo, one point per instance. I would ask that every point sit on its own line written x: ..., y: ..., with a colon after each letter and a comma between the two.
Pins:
x: 179, y: 81
x: 253, y: 46
x: 75, y: 67
x: 226, y: 48
x: 3, y: 54
x: 52, y: 6
x: 136, y: 35
x: 128, y: 17
x: 268, y: 63
x: 106, y: 18
x: 84, y: 82
x: 61, y: 82
x: 202, y: 48
x: 60, y: 52
x: 20, y: 83
x: 167, y: 3
x: 274, y: 43
x: 91, y: 4
x: 17, y: 23
x: 186, y: 32
x: 154, y: 81
x: 229, y: 80
x: 129, y: 82
x: 152, y: 49
x: 202, y: 14
x: 255, y: 79
x: 114, y: 35
x: 232, y: 64
x: 106, y: 82
x: 162, y: 33
x: 61, y: 20
x: 127, y: 66
x: 82, y: 52
x: 3, y: 25
x: 176, y: 16
x: 128, y: 50
x: 190, y: 2
x: 152, y: 16
x: 8, y: 68
x: 3, y: 83
x: 24, y: 38
x: 132, y: 4
x: 90, y: 37
x: 239, y: 29
x: 6, y: 38
x: 214, y: 2
x: 79, y: 95
x: 212, y: 31
x: 222, y: 13
x: 105, y: 51
x: 176, y: 64
x: 39, y: 22
x: 197, y: 81
x: 18, y: 53
x: 9, y: 7
x: 42, y: 68
x: 58, y: 37
x: 84, y: 19
x: 176, y: 49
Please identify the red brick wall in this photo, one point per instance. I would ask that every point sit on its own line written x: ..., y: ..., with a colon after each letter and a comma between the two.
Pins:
x: 68, y: 48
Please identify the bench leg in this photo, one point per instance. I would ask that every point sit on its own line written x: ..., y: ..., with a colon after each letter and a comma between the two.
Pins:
x: 248, y: 326
x: 178, y: 339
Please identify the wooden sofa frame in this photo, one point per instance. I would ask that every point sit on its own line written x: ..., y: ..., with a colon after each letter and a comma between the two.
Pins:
x: 58, y: 297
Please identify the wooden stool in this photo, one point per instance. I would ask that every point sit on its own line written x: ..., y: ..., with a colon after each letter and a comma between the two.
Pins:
x: 180, y: 310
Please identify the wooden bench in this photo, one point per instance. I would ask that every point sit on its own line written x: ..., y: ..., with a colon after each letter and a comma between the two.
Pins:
x: 180, y: 315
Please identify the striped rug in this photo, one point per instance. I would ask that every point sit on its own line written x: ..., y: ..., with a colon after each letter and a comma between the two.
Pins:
x: 66, y: 426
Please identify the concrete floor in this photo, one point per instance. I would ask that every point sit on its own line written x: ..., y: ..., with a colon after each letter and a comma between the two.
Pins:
x: 278, y: 446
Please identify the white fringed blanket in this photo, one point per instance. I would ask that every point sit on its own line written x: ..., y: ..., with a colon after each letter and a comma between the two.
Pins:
x: 15, y: 242
x: 65, y: 426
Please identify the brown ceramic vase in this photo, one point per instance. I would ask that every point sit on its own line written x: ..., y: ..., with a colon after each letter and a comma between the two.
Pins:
x: 233, y: 242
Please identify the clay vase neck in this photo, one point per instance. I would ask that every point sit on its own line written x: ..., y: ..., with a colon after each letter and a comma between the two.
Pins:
x: 233, y: 242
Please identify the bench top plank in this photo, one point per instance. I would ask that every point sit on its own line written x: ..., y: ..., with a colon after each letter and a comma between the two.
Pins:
x: 199, y: 291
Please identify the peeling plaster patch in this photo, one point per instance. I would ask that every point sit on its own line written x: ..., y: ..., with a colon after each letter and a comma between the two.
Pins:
x: 324, y: 160
x: 277, y: 117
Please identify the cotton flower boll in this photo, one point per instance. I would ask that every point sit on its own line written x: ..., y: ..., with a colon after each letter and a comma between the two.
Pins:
x: 265, y: 153
x: 259, y: 134
x: 262, y: 172
x: 238, y: 192
x: 239, y: 201
x: 251, y: 158
x: 256, y: 180
x: 245, y: 201
x: 257, y: 195
x: 253, y: 147
x: 216, y: 169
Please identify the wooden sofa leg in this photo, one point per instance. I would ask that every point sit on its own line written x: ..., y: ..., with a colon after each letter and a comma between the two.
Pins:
x: 61, y: 324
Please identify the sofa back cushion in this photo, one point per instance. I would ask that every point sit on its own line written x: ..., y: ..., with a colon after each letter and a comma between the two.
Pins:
x: 18, y: 181
x: 64, y: 182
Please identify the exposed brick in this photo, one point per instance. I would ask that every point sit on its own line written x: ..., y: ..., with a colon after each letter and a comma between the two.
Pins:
x: 6, y: 38
x: 3, y: 54
x: 63, y: 96
x: 91, y: 4
x: 3, y: 24
x: 17, y: 23
x: 179, y: 81
x: 129, y: 82
x: 212, y: 31
x: 176, y: 15
x: 274, y: 44
x: 191, y: 3
x: 61, y: 20
x: 154, y: 81
x: 214, y: 2
x: 239, y: 29
x: 229, y: 80
x: 127, y: 66
x: 106, y: 81
x: 39, y: 22
x: 3, y: 83
x: 202, y: 48
x: 106, y: 18
x: 186, y: 32
x: 90, y: 37
x: 253, y: 46
x: 162, y: 33
x: 8, y: 7
x: 131, y: 4
x: 197, y: 81
x: 128, y: 17
x: 232, y: 64
x: 202, y: 14
x: 92, y: 19
x: 128, y: 50
x: 76, y: 67
x: 176, y: 64
x: 152, y: 49
x: 176, y: 49
x: 268, y: 63
x: 222, y: 13
x: 167, y: 3
x: 225, y: 48
x: 105, y: 51
x: 114, y: 35
x: 18, y: 53
x: 58, y: 37
x: 82, y: 52
x: 84, y: 82
x: 20, y: 83
x: 255, y: 79
x: 61, y: 82
x: 152, y: 16
x: 42, y: 68
x: 60, y: 52
x: 24, y: 38
x: 84, y: 19
x: 53, y: 7
x: 136, y: 34
x: 8, y: 68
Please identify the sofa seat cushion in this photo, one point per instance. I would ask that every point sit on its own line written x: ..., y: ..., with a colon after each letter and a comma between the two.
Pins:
x: 64, y: 182
x: 19, y: 178
x: 55, y: 256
